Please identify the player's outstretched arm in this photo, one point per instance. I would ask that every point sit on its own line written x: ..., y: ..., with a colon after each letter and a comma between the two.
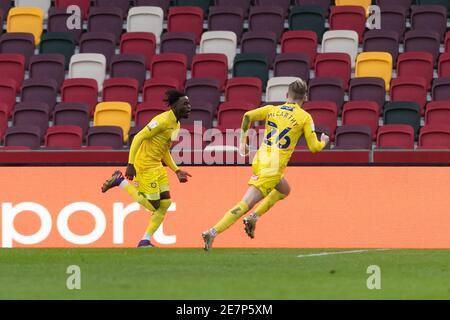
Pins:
x: 314, y: 144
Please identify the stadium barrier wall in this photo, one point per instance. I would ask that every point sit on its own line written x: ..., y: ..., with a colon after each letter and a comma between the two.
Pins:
x: 329, y: 207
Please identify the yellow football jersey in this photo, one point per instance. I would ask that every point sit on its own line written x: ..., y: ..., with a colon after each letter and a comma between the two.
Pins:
x: 285, y: 124
x: 152, y: 144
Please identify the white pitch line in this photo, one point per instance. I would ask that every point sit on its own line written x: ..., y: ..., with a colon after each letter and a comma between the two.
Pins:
x: 320, y: 254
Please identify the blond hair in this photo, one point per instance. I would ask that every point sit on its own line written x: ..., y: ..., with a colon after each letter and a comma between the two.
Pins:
x: 297, y: 90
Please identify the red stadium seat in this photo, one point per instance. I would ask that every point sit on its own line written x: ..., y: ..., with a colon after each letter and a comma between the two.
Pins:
x: 4, y: 115
x: 155, y: 88
x: 324, y: 113
x: 336, y: 65
x: 348, y: 18
x: 13, y: 67
x: 8, y: 93
x: 211, y: 65
x: 447, y: 42
x: 300, y: 41
x: 416, y: 64
x: 444, y: 65
x: 437, y: 112
x: 362, y: 113
x: 410, y: 89
x: 170, y: 65
x: 70, y: 137
x: 435, y: 137
x: 143, y: 43
x: 186, y: 19
x: 231, y: 114
x: 395, y: 136
x: 83, y: 90
x: 244, y: 89
x: 121, y: 89
x: 146, y: 111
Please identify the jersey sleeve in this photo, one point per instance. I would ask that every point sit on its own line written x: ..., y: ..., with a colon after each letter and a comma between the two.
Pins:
x: 314, y: 144
x: 258, y: 114
x: 151, y: 130
x: 168, y: 160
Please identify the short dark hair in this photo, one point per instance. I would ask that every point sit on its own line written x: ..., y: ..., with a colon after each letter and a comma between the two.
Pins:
x: 172, y: 96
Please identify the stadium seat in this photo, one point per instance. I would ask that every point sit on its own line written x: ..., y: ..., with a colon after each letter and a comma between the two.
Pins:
x: 410, y: 89
x: 13, y: 67
x: 344, y: 41
x: 251, y: 65
x: 399, y: 112
x: 223, y: 42
x: 382, y: 41
x: 8, y: 93
x: 362, y: 113
x: 72, y: 114
x: 105, y: 136
x: 353, y: 137
x: 230, y: 114
x: 337, y: 65
x: 186, y: 19
x: 243, y: 4
x: 129, y: 66
x: 277, y: 88
x: 170, y: 64
x: 291, y: 65
x: 308, y: 18
x: 114, y: 114
x: 371, y: 89
x: 19, y: 43
x: 4, y: 115
x: 60, y: 43
x: 147, y: 110
x: 444, y: 65
x: 23, y: 136
x: 260, y: 42
x: 429, y: 18
x: 416, y: 64
x: 447, y: 42
x: 146, y: 19
x: 324, y: 114
x: 422, y: 41
x: 435, y: 137
x: 121, y: 89
x: 84, y: 5
x: 5, y: 5
x: 300, y: 42
x: 244, y: 89
x: 179, y: 42
x: 211, y: 65
x: 441, y: 89
x: 204, y: 4
x: 437, y: 112
x: 267, y: 18
x: 81, y: 90
x: 348, y: 18
x: 48, y: 66
x: 155, y: 88
x: 143, y: 43
x: 226, y: 18
x: 324, y: 4
x: 394, y: 16
x: 40, y: 90
x: 32, y: 114
x: 201, y: 111
x: 375, y: 64
x: 403, y: 4
x: 99, y: 42
x: 57, y: 22
x: 26, y: 19
x: 204, y: 90
x: 123, y: 5
x: 70, y: 137
x: 282, y: 4
x: 444, y: 3
x: 395, y: 136
x: 106, y: 19
x: 88, y: 65
x: 327, y: 89
x: 303, y: 145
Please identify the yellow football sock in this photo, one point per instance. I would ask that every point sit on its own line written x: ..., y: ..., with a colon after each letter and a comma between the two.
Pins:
x: 273, y: 197
x: 158, y: 217
x: 139, y: 198
x: 231, y: 217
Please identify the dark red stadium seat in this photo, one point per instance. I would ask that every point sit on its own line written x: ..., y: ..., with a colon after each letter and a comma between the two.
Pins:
x: 170, y: 65
x: 84, y: 5
x: 447, y: 42
x: 348, y: 18
x: 72, y: 113
x: 324, y: 113
x: 58, y: 18
x: 4, y: 115
x: 292, y: 65
x: 410, y: 89
x: 205, y: 90
x: 382, y: 41
x: 106, y: 19
x: 186, y: 19
x: 121, y: 89
x: 337, y: 65
x: 441, y: 89
x: 129, y: 66
x: 437, y: 112
x: 211, y: 65
x: 243, y: 4
x: 435, y: 137
x: 18, y: 43
x: 23, y: 136
x: 231, y: 114
x: 444, y: 65
x: 362, y: 113
x: 83, y: 90
x: 262, y: 42
x: 353, y: 137
x: 143, y: 43
x: 300, y: 41
x: 105, y: 136
x: 146, y: 111
x: 327, y: 89
x: 394, y: 16
x: 40, y: 90
x: 32, y: 114
x: 395, y: 136
x: 368, y: 88
x: 13, y: 67
x: 155, y: 88
x: 70, y: 137
x: 201, y: 111
x: 123, y: 5
x: 99, y: 42
x: 8, y: 93
x: 5, y: 5
x: 303, y: 145
x: 179, y: 42
x: 282, y: 4
x: 49, y: 66
x: 416, y: 64
x: 244, y: 89
x: 267, y: 18
x: 226, y: 18
x: 422, y: 41
x: 429, y: 18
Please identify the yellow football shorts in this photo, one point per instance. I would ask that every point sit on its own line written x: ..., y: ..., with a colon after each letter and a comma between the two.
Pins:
x: 152, y: 182
x: 264, y: 182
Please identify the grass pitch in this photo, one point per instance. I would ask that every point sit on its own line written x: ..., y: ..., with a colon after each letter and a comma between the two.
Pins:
x: 223, y: 274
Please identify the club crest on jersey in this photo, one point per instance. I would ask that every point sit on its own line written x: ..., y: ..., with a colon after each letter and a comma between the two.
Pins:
x: 287, y: 108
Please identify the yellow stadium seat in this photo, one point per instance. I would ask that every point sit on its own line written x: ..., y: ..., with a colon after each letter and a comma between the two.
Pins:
x: 363, y: 3
x: 114, y: 114
x: 375, y: 64
x: 26, y: 19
